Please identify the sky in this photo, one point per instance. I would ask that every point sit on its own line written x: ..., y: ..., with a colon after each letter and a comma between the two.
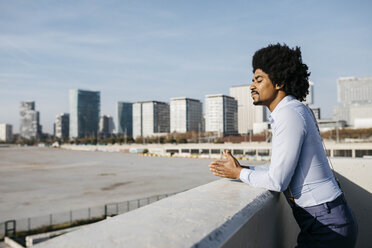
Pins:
x: 155, y: 50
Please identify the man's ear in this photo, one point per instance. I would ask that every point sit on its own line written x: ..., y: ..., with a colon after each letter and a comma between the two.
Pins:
x: 279, y: 86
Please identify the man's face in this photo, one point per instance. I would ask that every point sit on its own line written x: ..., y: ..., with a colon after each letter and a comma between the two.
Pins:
x: 262, y: 90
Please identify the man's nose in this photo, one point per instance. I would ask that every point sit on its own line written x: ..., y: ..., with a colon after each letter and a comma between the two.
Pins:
x: 252, y: 86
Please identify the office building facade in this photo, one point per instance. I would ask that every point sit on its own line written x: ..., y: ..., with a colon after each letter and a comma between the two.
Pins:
x: 137, y: 120
x: 6, y: 132
x: 248, y: 114
x: 150, y: 118
x: 125, y: 118
x: 30, y: 127
x: 62, y: 126
x: 186, y: 115
x: 84, y: 113
x: 354, y: 90
x: 355, y: 97
x: 106, y: 126
x: 221, y: 114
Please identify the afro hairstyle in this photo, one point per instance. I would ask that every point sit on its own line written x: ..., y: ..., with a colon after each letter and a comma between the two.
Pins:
x: 284, y: 67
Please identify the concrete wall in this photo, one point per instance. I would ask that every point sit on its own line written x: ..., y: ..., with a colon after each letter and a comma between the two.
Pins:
x: 224, y: 213
x: 355, y: 177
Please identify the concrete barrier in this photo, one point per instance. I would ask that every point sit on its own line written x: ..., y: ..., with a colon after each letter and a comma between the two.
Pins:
x: 11, y: 243
x: 224, y: 213
x: 38, y: 238
x: 355, y: 178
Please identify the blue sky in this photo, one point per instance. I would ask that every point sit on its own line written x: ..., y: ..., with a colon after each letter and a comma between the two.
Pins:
x: 155, y: 50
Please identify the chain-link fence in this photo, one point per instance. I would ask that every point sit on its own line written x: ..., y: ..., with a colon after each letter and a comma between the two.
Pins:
x: 76, y: 217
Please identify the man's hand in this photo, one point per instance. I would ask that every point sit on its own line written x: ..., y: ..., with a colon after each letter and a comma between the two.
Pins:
x: 229, y: 168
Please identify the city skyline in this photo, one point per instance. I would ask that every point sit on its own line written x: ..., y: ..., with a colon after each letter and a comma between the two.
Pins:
x: 139, y: 51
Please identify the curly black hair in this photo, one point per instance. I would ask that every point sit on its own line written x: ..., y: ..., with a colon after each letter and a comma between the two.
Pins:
x: 284, y: 66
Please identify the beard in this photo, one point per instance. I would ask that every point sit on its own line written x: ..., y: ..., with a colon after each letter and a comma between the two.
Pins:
x: 258, y: 101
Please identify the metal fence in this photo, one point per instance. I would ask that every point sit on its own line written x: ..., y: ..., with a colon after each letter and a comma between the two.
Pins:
x: 85, y: 214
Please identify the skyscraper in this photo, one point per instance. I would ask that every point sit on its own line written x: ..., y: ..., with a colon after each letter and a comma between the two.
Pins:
x: 137, y: 120
x: 62, y: 125
x: 150, y: 118
x: 106, y: 125
x: 30, y: 121
x: 354, y: 90
x: 355, y: 97
x: 84, y: 113
x: 221, y: 114
x: 248, y: 114
x: 5, y: 132
x: 185, y: 115
x: 125, y: 118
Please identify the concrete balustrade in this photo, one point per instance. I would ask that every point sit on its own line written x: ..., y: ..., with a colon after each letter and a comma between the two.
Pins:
x: 224, y: 213
x: 211, y: 150
x: 220, y: 213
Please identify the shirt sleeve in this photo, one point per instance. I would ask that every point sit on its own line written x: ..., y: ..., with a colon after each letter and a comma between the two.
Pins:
x: 288, y: 136
x: 260, y: 167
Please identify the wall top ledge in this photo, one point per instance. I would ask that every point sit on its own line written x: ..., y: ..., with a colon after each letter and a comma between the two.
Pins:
x: 205, y: 216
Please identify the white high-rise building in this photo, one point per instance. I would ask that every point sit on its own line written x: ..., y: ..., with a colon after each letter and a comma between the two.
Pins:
x: 248, y: 114
x: 150, y: 118
x: 221, y: 114
x: 5, y: 132
x: 137, y: 119
x: 354, y: 90
x: 185, y: 115
x: 355, y: 96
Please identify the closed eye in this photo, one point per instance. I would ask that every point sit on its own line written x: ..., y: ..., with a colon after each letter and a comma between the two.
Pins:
x: 258, y: 79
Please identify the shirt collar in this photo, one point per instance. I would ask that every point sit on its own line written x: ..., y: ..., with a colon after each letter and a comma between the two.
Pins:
x: 281, y: 104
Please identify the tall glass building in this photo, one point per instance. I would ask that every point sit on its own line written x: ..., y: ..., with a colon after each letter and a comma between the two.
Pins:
x: 106, y: 126
x: 84, y: 113
x: 125, y: 118
x: 62, y: 125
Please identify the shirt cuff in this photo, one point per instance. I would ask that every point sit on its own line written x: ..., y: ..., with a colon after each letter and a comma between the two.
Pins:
x: 244, y: 174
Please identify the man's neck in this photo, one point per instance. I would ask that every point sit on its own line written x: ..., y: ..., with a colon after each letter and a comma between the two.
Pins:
x: 276, y: 101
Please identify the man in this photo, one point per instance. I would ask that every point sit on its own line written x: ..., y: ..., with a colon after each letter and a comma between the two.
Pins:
x: 299, y: 166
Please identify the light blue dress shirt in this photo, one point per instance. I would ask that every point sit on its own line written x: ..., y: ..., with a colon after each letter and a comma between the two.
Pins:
x: 298, y: 158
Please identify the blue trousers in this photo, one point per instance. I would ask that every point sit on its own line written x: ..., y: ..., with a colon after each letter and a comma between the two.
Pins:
x: 331, y: 224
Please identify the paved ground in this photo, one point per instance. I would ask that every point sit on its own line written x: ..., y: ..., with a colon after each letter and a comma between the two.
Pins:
x: 41, y: 181
x: 3, y: 245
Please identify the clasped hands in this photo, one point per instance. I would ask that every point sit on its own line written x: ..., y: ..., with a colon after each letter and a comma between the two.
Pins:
x: 229, y: 168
